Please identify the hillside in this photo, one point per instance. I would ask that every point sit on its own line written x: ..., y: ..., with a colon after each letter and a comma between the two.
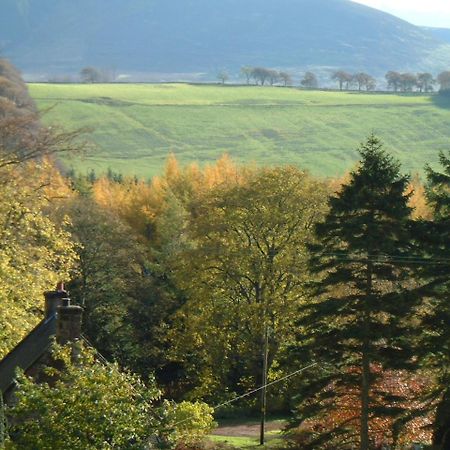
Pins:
x: 440, y: 33
x: 136, y: 126
x: 195, y: 38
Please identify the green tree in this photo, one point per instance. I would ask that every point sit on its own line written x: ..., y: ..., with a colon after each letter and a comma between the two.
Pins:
x: 110, y: 281
x: 84, y: 405
x: 434, y: 236
x: 355, y: 321
x: 35, y: 252
x: 246, y: 274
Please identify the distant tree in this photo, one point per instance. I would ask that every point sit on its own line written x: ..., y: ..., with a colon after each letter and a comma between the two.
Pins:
x: 246, y: 71
x: 309, y: 81
x: 261, y: 75
x: 408, y: 81
x: 364, y: 80
x: 444, y: 81
x: 371, y: 84
x: 273, y: 75
x: 285, y: 78
x: 343, y: 78
x: 223, y: 76
x: 91, y: 75
x: 393, y: 80
x: 425, y: 82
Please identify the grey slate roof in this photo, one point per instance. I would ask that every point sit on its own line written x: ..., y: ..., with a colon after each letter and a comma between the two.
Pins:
x: 27, y: 352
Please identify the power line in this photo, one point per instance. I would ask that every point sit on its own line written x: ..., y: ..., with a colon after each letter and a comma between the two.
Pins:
x: 221, y: 405
x: 387, y: 258
x: 254, y: 391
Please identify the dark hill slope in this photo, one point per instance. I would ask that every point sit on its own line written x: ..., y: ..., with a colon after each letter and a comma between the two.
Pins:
x: 440, y: 33
x: 56, y: 36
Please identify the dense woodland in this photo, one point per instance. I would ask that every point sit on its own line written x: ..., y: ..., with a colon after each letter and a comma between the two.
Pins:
x: 184, y: 279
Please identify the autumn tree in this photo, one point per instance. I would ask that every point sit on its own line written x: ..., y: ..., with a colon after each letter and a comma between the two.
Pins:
x: 309, y: 81
x: 36, y: 251
x: 354, y: 323
x: 247, y: 274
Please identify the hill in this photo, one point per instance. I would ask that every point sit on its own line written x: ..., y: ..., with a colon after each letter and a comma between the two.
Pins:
x: 195, y: 38
x: 136, y: 126
x: 440, y: 33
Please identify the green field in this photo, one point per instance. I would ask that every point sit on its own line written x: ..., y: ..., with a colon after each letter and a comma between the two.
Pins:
x: 135, y: 127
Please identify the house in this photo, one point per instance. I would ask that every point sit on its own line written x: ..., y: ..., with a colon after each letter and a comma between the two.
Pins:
x: 62, y: 322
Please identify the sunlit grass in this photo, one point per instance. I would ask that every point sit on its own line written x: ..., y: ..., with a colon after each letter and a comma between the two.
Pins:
x: 136, y: 126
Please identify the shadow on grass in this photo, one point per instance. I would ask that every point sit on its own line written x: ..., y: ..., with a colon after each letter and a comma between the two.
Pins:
x: 442, y: 100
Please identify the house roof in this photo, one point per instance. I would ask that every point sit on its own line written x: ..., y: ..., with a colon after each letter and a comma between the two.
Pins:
x: 27, y: 352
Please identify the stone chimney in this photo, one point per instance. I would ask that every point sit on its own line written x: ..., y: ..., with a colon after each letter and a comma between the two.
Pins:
x: 53, y: 299
x: 68, y: 325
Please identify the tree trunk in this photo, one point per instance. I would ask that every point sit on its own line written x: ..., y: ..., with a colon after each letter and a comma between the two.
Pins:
x: 365, y: 376
x: 264, y: 382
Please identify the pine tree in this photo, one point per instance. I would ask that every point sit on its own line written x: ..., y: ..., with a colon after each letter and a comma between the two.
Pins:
x: 355, y: 322
x: 435, y: 330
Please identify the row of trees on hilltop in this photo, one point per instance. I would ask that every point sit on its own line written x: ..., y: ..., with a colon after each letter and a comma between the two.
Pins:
x: 360, y: 80
x: 398, y: 82
x: 422, y: 82
x: 262, y: 75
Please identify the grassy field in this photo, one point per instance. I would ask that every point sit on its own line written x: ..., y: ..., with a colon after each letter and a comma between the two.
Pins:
x: 136, y: 126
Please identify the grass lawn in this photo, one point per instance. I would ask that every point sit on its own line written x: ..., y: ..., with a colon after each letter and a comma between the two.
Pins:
x: 135, y: 126
x: 244, y: 433
x: 273, y: 441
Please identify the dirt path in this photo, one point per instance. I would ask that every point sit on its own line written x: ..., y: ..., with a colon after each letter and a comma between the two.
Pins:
x: 247, y: 430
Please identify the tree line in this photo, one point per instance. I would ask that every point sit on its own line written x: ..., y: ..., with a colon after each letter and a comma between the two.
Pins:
x: 396, y: 81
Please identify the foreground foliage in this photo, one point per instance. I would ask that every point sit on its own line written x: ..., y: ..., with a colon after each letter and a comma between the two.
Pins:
x: 81, y: 404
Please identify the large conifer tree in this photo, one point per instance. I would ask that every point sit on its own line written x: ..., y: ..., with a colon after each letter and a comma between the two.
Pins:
x: 434, y: 344
x: 355, y: 322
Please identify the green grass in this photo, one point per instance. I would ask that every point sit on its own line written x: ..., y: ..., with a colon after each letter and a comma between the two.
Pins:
x: 136, y: 126
x: 272, y: 442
